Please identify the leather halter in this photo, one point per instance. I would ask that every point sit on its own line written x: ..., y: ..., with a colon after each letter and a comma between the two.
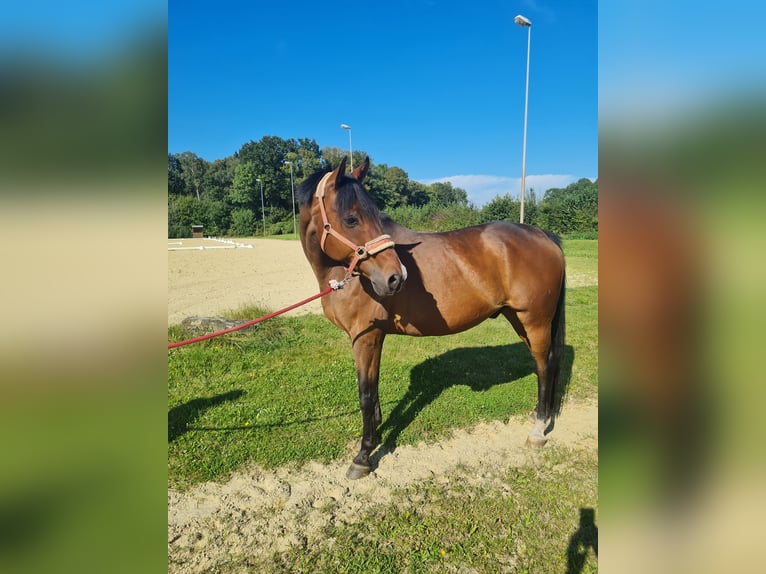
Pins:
x: 361, y: 252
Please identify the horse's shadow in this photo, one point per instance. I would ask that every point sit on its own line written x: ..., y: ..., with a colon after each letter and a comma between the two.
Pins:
x: 479, y: 368
x: 181, y: 416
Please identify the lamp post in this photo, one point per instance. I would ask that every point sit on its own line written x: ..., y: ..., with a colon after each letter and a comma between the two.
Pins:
x: 263, y: 209
x: 350, y: 151
x: 292, y: 187
x: 524, y: 22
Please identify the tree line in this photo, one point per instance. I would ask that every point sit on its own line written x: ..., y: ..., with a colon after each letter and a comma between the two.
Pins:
x: 253, y: 188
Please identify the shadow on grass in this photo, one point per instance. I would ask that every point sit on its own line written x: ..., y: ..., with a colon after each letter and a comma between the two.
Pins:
x: 181, y: 416
x: 479, y: 368
x: 582, y: 542
x: 281, y: 424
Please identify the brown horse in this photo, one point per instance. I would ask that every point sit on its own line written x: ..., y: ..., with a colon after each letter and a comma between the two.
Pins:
x: 429, y: 284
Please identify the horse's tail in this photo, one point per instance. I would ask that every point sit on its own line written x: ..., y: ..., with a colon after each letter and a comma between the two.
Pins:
x: 556, y: 351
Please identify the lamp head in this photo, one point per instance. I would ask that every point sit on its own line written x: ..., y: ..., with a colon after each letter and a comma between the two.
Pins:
x: 522, y: 21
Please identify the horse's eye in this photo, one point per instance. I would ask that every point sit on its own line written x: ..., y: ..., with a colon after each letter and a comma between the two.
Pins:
x: 351, y: 221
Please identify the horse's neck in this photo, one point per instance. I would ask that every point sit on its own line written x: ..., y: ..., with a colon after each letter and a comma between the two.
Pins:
x: 398, y: 232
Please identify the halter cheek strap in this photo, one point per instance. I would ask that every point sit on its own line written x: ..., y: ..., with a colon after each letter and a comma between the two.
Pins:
x: 361, y: 252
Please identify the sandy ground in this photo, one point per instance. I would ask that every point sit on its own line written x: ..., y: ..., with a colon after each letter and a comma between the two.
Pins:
x: 257, y: 512
x: 208, y: 282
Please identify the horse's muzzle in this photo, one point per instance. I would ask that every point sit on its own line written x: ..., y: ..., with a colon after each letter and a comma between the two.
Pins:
x: 401, y: 278
x: 396, y: 281
x: 385, y: 286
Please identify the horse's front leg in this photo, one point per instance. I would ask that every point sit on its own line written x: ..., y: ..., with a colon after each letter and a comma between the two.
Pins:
x: 367, y: 351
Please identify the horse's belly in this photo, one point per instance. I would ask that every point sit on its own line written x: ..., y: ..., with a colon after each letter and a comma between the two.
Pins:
x: 435, y: 321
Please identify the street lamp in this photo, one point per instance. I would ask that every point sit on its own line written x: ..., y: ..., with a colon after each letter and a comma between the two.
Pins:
x: 292, y: 187
x: 522, y: 21
x: 350, y: 151
x: 263, y: 209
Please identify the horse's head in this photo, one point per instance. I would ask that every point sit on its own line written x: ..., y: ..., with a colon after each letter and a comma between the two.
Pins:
x: 346, y: 222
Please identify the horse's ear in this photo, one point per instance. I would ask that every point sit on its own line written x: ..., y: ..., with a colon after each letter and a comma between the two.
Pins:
x: 338, y: 171
x: 361, y: 172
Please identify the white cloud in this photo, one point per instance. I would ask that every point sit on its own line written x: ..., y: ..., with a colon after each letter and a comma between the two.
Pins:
x: 482, y: 189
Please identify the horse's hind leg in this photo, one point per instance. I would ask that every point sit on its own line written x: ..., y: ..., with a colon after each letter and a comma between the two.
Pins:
x: 539, y: 346
x: 538, y: 340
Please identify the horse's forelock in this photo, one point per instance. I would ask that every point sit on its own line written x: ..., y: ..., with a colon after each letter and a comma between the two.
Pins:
x: 349, y: 191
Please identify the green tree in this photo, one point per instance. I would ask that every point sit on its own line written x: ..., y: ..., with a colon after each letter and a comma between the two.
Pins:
x: 183, y: 212
x: 176, y: 184
x: 268, y: 156
x: 333, y: 155
x: 502, y: 207
x: 443, y: 193
x: 396, y: 182
x: 571, y: 209
x: 388, y: 185
x: 530, y: 208
x: 245, y: 187
x: 417, y: 194
x: 219, y: 177
x: 206, y: 193
x: 216, y: 217
x: 193, y: 170
x: 585, y: 209
x: 243, y: 222
x: 308, y: 159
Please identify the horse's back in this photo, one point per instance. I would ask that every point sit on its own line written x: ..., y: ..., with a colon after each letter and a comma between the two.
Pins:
x: 516, y: 261
x: 485, y: 248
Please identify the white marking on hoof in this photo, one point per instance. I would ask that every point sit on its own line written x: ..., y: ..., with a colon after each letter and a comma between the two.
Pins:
x: 356, y: 471
x: 536, y: 441
x: 536, y: 437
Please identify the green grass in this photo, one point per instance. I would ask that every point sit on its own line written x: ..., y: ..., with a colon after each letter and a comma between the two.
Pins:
x: 281, y: 237
x: 582, y: 262
x: 284, y: 392
x: 586, y: 248
x: 284, y: 237
x: 538, y: 518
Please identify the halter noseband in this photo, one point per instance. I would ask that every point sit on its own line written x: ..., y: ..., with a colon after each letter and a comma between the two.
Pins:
x: 361, y: 252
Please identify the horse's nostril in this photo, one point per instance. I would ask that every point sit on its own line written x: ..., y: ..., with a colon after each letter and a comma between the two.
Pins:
x: 395, y: 281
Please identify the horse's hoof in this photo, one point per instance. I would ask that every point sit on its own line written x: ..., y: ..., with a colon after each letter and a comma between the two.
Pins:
x: 356, y: 471
x: 536, y: 441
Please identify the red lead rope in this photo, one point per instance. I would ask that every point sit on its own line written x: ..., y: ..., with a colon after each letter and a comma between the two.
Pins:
x: 253, y: 322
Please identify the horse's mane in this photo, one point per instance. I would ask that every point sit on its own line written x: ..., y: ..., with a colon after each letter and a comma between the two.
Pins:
x: 348, y: 191
x: 308, y: 187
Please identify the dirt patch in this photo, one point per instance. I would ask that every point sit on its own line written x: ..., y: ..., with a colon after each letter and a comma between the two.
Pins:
x: 257, y: 512
x: 221, y: 276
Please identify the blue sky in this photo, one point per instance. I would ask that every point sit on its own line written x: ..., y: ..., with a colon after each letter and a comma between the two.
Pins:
x: 659, y: 61
x: 76, y: 30
x: 434, y: 87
